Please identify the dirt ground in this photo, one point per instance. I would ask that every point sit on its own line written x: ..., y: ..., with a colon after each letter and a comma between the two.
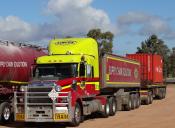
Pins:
x: 160, y: 114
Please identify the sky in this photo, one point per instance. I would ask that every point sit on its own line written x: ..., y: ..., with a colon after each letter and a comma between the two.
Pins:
x: 131, y: 21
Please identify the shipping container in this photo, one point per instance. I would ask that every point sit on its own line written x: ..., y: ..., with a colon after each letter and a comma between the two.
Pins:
x: 151, y: 67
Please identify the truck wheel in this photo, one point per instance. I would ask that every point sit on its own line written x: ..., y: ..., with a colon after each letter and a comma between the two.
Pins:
x: 133, y: 101
x: 113, y: 106
x: 147, y: 101
x: 160, y: 93
x: 138, y: 101
x: 151, y: 97
x: 129, y: 104
x: 76, y: 116
x: 164, y: 93
x: 106, y: 112
x: 5, y: 112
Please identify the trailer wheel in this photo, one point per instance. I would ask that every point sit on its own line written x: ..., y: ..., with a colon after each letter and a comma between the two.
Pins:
x: 133, y: 101
x: 113, y: 106
x: 138, y: 101
x: 76, y: 116
x: 151, y: 97
x: 161, y: 93
x: 129, y: 104
x: 106, y: 111
x: 5, y: 112
x: 164, y: 92
x: 147, y: 101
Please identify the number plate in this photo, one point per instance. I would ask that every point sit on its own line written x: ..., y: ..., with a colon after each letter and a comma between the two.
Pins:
x: 61, y: 116
x: 19, y: 117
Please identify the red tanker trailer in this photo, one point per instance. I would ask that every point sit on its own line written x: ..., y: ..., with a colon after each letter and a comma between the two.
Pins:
x: 16, y: 61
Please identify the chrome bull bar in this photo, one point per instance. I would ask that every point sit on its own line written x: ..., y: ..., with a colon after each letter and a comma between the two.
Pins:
x: 37, y: 106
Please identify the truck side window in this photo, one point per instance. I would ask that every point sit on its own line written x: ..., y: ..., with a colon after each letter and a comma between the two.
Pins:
x: 82, y: 69
x: 89, y: 70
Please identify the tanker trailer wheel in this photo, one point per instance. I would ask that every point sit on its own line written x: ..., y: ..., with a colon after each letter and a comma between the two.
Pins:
x: 113, y: 106
x: 106, y: 111
x: 77, y: 115
x: 5, y: 112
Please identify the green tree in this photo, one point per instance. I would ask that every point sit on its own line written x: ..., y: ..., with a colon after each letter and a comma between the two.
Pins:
x: 154, y: 45
x: 172, y: 62
x: 104, y: 39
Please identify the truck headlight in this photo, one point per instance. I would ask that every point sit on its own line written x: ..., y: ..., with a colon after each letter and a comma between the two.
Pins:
x: 57, y: 88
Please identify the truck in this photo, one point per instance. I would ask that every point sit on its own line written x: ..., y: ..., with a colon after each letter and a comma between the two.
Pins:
x: 74, y: 80
x: 151, y: 74
x: 15, y: 70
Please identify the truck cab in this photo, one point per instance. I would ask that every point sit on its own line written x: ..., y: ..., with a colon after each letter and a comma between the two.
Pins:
x: 61, y: 81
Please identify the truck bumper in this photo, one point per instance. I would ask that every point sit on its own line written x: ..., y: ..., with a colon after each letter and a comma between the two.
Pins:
x: 61, y: 114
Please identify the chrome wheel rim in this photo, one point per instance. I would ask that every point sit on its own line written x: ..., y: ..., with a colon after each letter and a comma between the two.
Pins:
x: 114, y: 107
x: 77, y: 114
x: 6, y: 113
x: 107, y: 109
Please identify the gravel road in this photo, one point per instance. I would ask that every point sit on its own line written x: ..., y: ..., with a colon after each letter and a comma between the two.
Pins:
x: 160, y: 114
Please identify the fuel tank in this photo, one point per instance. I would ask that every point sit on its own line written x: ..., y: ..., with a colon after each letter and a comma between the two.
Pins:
x: 16, y: 61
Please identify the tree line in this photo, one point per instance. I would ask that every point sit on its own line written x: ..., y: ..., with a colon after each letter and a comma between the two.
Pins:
x: 152, y: 45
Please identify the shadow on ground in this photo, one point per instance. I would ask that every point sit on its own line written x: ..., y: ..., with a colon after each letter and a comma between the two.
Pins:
x: 45, y: 125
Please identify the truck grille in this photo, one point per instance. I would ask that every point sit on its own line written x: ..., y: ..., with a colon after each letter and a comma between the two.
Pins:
x: 38, y: 94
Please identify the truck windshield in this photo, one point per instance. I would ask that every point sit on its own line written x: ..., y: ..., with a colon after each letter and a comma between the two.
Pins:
x: 60, y: 71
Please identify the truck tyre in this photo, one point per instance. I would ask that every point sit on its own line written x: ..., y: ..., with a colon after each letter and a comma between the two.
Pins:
x: 164, y: 94
x: 147, y: 101
x: 113, y: 106
x: 106, y: 111
x: 129, y: 104
x: 76, y: 116
x: 138, y: 101
x: 160, y: 93
x: 151, y: 97
x: 133, y: 101
x: 5, y: 112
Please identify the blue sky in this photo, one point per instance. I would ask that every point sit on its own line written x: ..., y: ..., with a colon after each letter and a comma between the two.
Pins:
x: 132, y: 21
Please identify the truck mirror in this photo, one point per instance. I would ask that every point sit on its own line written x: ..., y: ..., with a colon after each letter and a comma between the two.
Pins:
x: 82, y: 70
x: 74, y: 85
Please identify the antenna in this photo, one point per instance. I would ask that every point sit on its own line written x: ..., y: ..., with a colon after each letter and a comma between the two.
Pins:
x: 55, y: 36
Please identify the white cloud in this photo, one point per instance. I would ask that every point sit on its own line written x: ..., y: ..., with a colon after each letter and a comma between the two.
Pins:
x: 75, y: 17
x: 12, y: 28
x: 146, y: 24
x: 72, y: 18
